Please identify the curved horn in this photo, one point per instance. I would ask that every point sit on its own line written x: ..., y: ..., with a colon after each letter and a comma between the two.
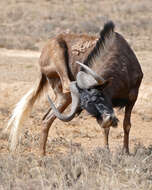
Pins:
x: 75, y: 103
x: 98, y: 78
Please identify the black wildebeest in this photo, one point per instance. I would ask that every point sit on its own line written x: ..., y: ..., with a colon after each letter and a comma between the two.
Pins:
x: 108, y: 76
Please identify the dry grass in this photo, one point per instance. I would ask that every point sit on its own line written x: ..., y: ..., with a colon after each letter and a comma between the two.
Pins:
x: 79, y: 169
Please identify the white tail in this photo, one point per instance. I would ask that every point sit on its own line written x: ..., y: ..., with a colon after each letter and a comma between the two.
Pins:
x: 22, y: 110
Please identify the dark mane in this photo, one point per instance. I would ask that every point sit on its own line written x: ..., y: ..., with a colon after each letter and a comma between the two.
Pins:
x: 105, y: 34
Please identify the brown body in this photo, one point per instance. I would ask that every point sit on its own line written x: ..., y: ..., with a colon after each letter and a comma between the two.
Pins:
x: 115, y: 62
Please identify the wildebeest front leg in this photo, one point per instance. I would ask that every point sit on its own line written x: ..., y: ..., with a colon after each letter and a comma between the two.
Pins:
x: 106, y: 137
x: 62, y: 104
x: 127, y: 126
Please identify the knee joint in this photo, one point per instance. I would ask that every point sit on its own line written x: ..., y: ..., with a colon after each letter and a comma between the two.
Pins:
x: 127, y: 128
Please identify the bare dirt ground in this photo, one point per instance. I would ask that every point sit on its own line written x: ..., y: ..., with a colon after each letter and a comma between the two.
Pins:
x: 25, y: 25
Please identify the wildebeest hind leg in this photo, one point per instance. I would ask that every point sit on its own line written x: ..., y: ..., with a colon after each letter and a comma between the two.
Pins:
x: 62, y: 101
x: 62, y: 104
x: 127, y: 118
x: 60, y: 60
x: 127, y: 126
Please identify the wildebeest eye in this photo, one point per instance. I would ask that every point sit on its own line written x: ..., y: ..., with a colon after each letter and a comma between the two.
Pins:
x: 89, y: 89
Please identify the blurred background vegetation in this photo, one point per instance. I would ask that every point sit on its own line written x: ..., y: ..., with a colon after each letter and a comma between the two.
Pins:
x: 27, y: 24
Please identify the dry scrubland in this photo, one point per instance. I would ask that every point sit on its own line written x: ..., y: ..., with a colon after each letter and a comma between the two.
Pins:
x: 75, y: 158
x: 79, y: 170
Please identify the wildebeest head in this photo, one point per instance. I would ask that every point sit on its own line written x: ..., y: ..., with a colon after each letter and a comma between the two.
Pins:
x: 87, y: 92
x: 97, y: 104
